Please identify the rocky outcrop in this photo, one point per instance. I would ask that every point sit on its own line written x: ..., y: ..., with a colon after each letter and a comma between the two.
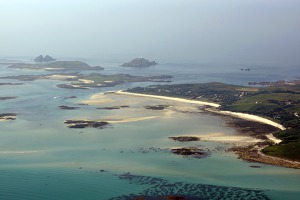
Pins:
x: 86, y: 124
x: 47, y: 58
x: 7, y: 116
x: 190, y: 152
x: 185, y: 138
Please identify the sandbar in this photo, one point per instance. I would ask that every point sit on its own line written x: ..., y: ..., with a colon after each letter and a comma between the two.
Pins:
x: 171, y: 98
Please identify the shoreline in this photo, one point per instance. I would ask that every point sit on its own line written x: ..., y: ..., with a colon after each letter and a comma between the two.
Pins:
x: 251, y: 153
x: 170, y: 98
x: 245, y: 116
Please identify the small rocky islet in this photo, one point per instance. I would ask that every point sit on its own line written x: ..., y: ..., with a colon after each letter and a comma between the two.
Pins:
x: 7, y: 116
x: 86, y: 124
x: 185, y: 138
x: 63, y: 107
x: 6, y: 98
x: 157, y: 107
x: 190, y: 152
x: 112, y: 107
x: 42, y: 58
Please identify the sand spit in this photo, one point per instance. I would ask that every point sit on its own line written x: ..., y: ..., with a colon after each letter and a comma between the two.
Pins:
x: 230, y: 113
x: 273, y: 139
x: 170, y: 98
x: 98, y: 99
x: 248, y: 117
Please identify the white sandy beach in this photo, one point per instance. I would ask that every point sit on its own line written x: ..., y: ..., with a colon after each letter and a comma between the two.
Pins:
x: 86, y: 81
x: 234, y: 114
x: 249, y: 117
x: 183, y: 106
x: 236, y: 139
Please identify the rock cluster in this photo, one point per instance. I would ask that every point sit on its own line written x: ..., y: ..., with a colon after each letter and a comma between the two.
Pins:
x: 47, y: 58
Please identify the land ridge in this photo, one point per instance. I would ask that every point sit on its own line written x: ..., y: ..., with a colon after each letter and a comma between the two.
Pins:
x: 278, y: 104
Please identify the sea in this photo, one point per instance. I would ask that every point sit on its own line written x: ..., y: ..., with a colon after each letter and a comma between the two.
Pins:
x: 42, y: 159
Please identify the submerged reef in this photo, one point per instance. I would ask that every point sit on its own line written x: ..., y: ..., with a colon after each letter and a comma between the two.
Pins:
x: 161, y: 189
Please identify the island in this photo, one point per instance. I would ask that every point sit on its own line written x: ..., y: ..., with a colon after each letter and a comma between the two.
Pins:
x: 93, y: 80
x: 7, y: 116
x: 55, y: 66
x: 139, y: 63
x: 270, y: 114
x: 86, y: 124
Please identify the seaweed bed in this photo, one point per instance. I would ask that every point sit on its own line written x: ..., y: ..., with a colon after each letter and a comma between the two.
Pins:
x: 160, y: 189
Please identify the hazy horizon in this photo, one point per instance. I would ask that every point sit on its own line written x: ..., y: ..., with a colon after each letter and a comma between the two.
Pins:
x: 250, y: 31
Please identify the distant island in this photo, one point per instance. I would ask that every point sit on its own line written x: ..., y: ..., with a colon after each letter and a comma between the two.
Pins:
x: 139, y: 63
x: 47, y: 58
x: 93, y: 80
x: 55, y: 66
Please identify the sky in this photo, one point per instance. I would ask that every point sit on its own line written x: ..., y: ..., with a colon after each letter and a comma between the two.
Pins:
x: 195, y: 31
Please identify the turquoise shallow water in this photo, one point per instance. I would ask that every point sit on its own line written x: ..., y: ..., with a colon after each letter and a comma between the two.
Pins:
x: 40, y: 158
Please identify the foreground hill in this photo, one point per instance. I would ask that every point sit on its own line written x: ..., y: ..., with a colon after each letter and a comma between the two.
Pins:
x: 281, y: 103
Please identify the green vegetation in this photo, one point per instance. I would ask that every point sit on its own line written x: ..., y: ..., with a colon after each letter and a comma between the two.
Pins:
x: 280, y: 103
x: 289, y: 150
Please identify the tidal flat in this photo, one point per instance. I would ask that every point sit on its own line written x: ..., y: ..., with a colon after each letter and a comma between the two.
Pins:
x: 41, y: 158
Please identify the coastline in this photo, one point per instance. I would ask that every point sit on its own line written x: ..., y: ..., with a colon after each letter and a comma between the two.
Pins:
x: 245, y: 116
x: 246, y: 152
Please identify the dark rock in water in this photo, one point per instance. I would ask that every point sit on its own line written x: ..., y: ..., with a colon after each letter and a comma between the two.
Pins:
x: 85, y: 124
x: 68, y: 107
x: 158, y: 107
x: 139, y: 63
x: 71, y: 97
x: 70, y: 86
x: 113, y: 107
x: 185, y: 138
x: 190, y: 152
x: 7, y: 98
x: 255, y: 166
